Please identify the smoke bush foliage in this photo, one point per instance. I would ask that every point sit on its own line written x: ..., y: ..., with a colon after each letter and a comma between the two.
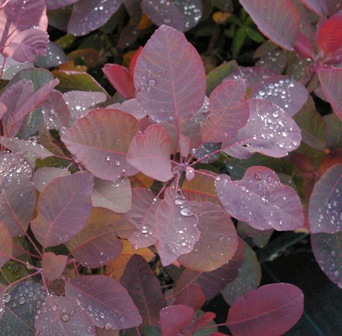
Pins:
x: 96, y: 189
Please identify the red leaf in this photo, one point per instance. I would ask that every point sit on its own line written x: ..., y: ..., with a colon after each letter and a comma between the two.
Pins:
x: 65, y: 318
x: 228, y: 111
x: 217, y: 243
x: 191, y: 296
x: 144, y: 289
x: 134, y: 60
x: 270, y: 310
x: 329, y: 37
x: 6, y: 245
x: 120, y: 78
x: 169, y: 77
x: 325, y: 206
x: 63, y: 209
x: 105, y: 300
x: 175, y: 319
x: 279, y: 20
x: 53, y: 265
x: 261, y: 200
x: 330, y: 80
x: 100, y: 141
x: 150, y: 153
x: 176, y: 227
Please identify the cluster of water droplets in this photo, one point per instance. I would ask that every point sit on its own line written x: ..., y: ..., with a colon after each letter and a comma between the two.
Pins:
x: 205, y: 150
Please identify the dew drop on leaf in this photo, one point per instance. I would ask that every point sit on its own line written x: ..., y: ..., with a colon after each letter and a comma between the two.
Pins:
x: 186, y: 212
x: 258, y: 176
x: 65, y: 318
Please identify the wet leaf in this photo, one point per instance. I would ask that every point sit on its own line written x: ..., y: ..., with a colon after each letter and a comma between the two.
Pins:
x: 45, y: 175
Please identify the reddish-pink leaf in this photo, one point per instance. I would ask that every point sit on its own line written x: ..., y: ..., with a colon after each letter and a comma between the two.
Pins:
x: 65, y: 317
x: 176, y: 227
x: 6, y: 246
x: 105, y: 300
x: 269, y: 130
x: 303, y: 46
x: 100, y: 141
x: 270, y: 310
x: 45, y: 175
x: 331, y: 80
x: 120, y: 78
x: 53, y: 265
x: 279, y: 20
x: 329, y: 37
x: 169, y: 77
x: 325, y: 206
x: 261, y: 200
x: 116, y: 196
x: 285, y: 92
x: 130, y: 106
x: 142, y: 216
x: 144, y: 289
x: 327, y: 249
x: 150, y: 153
x: 203, y: 320
x: 63, y: 209
x: 218, y: 241
x: 191, y: 296
x: 96, y: 244
x: 175, y: 319
x: 88, y: 15
x: 228, y: 111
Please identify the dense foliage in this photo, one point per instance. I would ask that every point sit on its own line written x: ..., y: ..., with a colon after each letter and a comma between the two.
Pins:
x: 124, y: 214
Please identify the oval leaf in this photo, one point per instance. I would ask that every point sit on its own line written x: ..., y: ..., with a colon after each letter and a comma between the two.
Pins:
x: 63, y: 209
x: 261, y: 200
x: 325, y: 206
x: 100, y: 141
x: 169, y: 77
x: 279, y: 20
x: 329, y: 37
x: 110, y: 301
x: 270, y: 310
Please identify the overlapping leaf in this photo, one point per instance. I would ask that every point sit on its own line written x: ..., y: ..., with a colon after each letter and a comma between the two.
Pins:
x: 100, y: 142
x: 63, y: 209
x: 169, y: 77
x: 6, y: 245
x: 105, y: 300
x: 43, y: 176
x: 261, y: 200
x: 270, y: 310
x: 329, y: 37
x: 279, y: 20
x: 325, y: 207
x: 53, y: 265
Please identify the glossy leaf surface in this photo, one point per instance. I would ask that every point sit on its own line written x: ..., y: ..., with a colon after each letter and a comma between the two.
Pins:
x: 325, y: 207
x: 279, y: 21
x: 150, y: 153
x: 169, y: 77
x: 261, y: 200
x: 144, y: 289
x: 63, y: 209
x: 110, y: 301
x: 267, y: 311
x: 100, y: 141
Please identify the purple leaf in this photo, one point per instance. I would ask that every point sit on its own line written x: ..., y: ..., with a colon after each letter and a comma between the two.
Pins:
x: 269, y: 130
x: 217, y: 243
x: 325, y: 206
x: 327, y: 249
x: 100, y: 141
x: 181, y: 15
x: 54, y: 57
x: 55, y: 4
x: 175, y: 319
x: 191, y: 296
x: 144, y: 289
x: 105, y: 300
x: 88, y: 15
x: 279, y: 20
x: 6, y: 245
x: 228, y: 111
x: 169, y: 77
x: 45, y: 175
x: 261, y: 200
x: 63, y: 209
x: 66, y: 317
x: 115, y: 196
x: 330, y: 80
x: 270, y: 310
x: 96, y: 244
x: 150, y: 153
x: 142, y: 216
x: 53, y: 265
x: 318, y: 6
x: 176, y: 229
x: 285, y: 92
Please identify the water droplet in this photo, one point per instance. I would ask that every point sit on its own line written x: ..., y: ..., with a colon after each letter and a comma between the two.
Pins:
x: 179, y: 201
x: 117, y: 163
x: 258, y: 176
x: 333, y: 253
x: 152, y: 82
x: 65, y: 318
x: 22, y: 300
x: 186, y: 212
x: 107, y: 158
x: 108, y: 326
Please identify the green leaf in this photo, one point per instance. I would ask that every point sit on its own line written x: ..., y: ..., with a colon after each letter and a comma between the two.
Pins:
x: 238, y: 41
